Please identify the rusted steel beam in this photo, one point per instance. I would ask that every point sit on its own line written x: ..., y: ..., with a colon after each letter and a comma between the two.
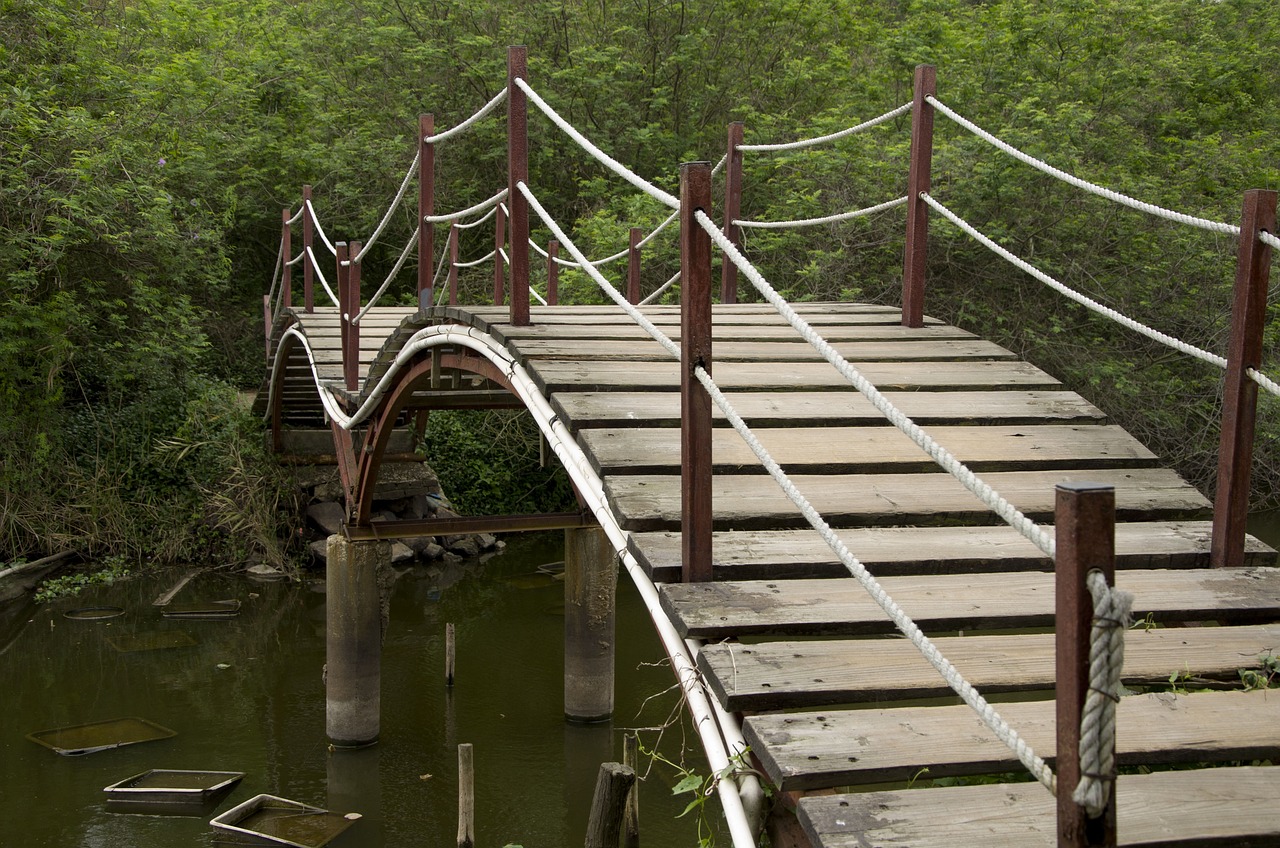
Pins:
x: 308, y: 236
x: 352, y: 361
x: 732, y: 210
x: 499, y: 267
x: 426, y: 206
x: 1084, y: 518
x: 914, y: 255
x: 453, y: 264
x: 379, y: 433
x: 518, y: 172
x: 341, y: 270
x: 1240, y: 392
x: 408, y: 529
x: 553, y: 273
x: 464, y: 399
x: 695, y: 350
x: 633, y: 265
x: 476, y: 365
x: 286, y: 246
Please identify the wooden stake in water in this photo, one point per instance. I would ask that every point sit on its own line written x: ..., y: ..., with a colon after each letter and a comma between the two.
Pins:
x: 631, y: 816
x: 448, y: 654
x: 466, y: 797
x: 612, y: 785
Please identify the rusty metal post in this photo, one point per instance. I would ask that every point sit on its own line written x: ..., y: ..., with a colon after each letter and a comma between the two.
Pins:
x: 1085, y: 516
x: 351, y: 362
x: 695, y: 350
x: 286, y: 249
x: 633, y: 265
x: 426, y: 207
x: 732, y: 209
x: 340, y: 280
x: 553, y: 273
x: 453, y: 264
x: 499, y: 267
x: 518, y: 172
x: 308, y: 235
x: 1240, y: 392
x: 913, y: 261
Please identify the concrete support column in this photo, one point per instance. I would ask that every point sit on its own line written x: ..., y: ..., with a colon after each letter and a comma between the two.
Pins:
x: 590, y: 593
x: 353, y: 650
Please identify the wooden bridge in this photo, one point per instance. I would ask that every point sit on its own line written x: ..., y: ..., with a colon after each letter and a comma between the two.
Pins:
x: 844, y: 718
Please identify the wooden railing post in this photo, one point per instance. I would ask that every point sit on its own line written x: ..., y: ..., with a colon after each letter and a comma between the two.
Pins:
x: 426, y: 207
x: 342, y: 254
x: 1240, y: 392
x: 266, y: 321
x: 732, y: 209
x: 914, y: 255
x: 695, y: 350
x: 518, y: 172
x: 453, y: 264
x: 553, y: 273
x: 1084, y: 516
x: 308, y: 235
x: 633, y: 265
x: 499, y: 267
x: 286, y: 249
x: 351, y: 362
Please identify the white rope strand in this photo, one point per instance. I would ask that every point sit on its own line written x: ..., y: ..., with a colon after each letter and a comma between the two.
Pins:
x: 1090, y: 303
x: 315, y: 221
x: 473, y: 263
x: 537, y: 296
x: 1092, y: 188
x: 470, y: 210
x: 404, y: 254
x: 276, y: 276
x: 830, y: 219
x: 395, y: 204
x: 294, y: 219
x: 295, y: 260
x: 835, y: 136
x: 444, y: 257
x: 315, y: 266
x: 1264, y: 381
x: 465, y: 125
x: 493, y: 210
x: 1267, y: 238
x: 1112, y: 611
x: 661, y: 289
x: 604, y: 158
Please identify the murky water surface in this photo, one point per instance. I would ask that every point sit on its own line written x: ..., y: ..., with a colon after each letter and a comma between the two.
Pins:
x: 245, y: 694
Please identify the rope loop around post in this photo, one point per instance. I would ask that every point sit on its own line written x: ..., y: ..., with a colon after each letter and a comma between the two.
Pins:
x: 1112, y: 614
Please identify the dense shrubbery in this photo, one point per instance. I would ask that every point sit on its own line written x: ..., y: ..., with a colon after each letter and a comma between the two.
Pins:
x: 147, y: 148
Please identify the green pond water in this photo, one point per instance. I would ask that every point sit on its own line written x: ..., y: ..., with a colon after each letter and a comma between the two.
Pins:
x: 245, y: 694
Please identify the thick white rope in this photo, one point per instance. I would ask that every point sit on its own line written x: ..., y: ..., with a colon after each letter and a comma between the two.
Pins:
x: 1090, y: 303
x: 1112, y: 612
x: 830, y: 219
x: 1267, y: 238
x: 660, y: 290
x: 470, y: 210
x: 404, y: 254
x: 276, y: 276
x: 615, y: 295
x: 465, y: 125
x: 315, y: 221
x: 992, y: 719
x: 604, y: 158
x: 835, y: 136
x: 294, y: 219
x: 493, y: 210
x: 1092, y: 188
x: 295, y: 260
x: 989, y: 496
x: 1264, y: 381
x: 444, y: 257
x: 715, y: 169
x: 473, y: 263
x: 537, y: 296
x: 569, y: 263
x: 504, y: 256
x: 395, y: 204
x: 315, y: 266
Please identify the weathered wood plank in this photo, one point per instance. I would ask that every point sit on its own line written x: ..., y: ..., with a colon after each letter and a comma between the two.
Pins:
x: 1225, y: 808
x: 841, y: 607
x: 754, y: 501
x: 845, y: 450
x: 639, y: 350
x: 812, y: 750
x: 786, y: 674
x: 768, y: 334
x: 582, y: 410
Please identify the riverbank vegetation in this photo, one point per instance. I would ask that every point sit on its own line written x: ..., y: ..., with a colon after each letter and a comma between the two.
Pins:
x: 147, y: 148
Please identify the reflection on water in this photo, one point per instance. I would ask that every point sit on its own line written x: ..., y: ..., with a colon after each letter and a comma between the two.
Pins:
x: 1266, y: 526
x: 247, y: 696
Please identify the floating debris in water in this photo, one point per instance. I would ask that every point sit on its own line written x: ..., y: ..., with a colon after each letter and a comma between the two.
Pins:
x: 174, y: 792
x: 99, y: 735
x: 93, y: 613
x: 203, y: 610
x: 271, y: 820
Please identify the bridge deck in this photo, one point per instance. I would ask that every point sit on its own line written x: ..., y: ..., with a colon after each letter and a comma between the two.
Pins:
x: 831, y: 696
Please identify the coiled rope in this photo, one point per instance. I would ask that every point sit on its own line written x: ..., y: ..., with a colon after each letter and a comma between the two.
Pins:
x: 1112, y: 613
x: 830, y: 219
x: 835, y: 136
x: 465, y: 125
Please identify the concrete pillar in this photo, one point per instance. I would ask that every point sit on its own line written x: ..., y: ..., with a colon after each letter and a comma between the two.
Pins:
x: 590, y: 592
x: 353, y: 649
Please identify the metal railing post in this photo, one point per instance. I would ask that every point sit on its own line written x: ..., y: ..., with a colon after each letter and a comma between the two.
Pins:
x: 266, y: 321
x: 553, y: 273
x: 1240, y: 392
x: 518, y: 172
x: 915, y: 252
x: 1084, y: 518
x: 633, y: 265
x: 695, y: 350
x: 426, y: 207
x: 351, y: 362
x: 341, y: 255
x: 732, y: 209
x: 499, y: 267
x: 453, y: 264
x: 308, y: 235
x: 286, y: 249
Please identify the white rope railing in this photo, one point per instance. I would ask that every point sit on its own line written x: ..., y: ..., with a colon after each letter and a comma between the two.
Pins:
x: 296, y: 216
x: 465, y: 125
x: 315, y: 221
x: 470, y: 210
x: 660, y: 290
x: 295, y: 260
x: 395, y: 204
x: 276, y: 276
x: 1267, y: 238
x: 537, y: 296
x: 1112, y: 612
x: 1083, y: 300
x: 493, y: 210
x: 1092, y: 188
x: 604, y: 158
x: 473, y: 263
x: 835, y: 136
x: 830, y: 219
x: 315, y: 266
x: 504, y: 256
x: 1265, y: 382
x: 444, y: 257
x: 404, y: 254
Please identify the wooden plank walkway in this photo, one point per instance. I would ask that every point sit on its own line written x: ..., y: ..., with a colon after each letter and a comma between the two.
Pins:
x: 831, y: 695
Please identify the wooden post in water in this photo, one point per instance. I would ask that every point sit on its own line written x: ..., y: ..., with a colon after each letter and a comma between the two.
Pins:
x: 308, y: 235
x: 1240, y: 392
x: 518, y: 172
x: 286, y: 250
x: 590, y: 591
x: 426, y: 207
x: 466, y: 797
x: 1084, y: 516
x: 351, y: 361
x: 612, y: 785
x: 499, y: 267
x: 631, y: 816
x: 914, y: 255
x: 732, y: 209
x: 695, y: 347
x: 633, y: 265
x: 353, y: 640
x: 553, y: 273
x: 453, y: 264
x: 450, y: 646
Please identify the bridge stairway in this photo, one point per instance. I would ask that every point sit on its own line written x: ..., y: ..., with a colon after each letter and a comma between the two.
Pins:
x: 860, y: 735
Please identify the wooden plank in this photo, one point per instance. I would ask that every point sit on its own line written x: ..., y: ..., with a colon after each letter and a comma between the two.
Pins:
x: 787, y: 674
x: 730, y: 332
x: 638, y: 350
x: 795, y: 554
x: 812, y: 750
x: 569, y: 375
x: 841, y: 607
x: 582, y: 410
x: 1226, y: 807
x: 754, y: 501
x: 670, y: 316
x: 844, y: 450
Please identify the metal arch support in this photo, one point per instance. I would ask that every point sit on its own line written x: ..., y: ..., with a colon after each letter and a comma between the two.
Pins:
x: 284, y: 346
